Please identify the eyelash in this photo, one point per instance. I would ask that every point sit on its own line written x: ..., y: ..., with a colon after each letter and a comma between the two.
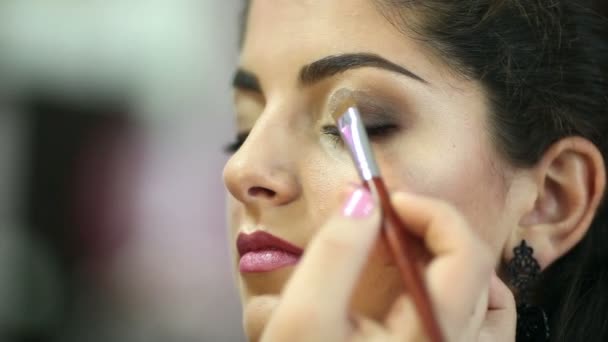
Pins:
x: 375, y: 132
x: 234, y: 146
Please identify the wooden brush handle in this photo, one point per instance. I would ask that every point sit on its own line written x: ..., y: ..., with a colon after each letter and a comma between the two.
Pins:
x: 403, y: 245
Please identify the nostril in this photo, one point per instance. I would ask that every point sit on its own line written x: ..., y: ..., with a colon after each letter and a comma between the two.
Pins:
x: 261, y: 192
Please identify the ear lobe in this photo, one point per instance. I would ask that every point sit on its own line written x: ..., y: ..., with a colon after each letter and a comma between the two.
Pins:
x: 571, y: 179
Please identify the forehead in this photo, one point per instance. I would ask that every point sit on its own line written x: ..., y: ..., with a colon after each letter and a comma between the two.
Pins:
x: 283, y: 34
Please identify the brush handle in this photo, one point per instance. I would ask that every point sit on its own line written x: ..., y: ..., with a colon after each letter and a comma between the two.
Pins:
x: 403, y: 245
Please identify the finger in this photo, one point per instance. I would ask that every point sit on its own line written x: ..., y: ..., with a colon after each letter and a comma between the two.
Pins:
x: 456, y: 248
x: 501, y: 297
x: 461, y: 264
x: 367, y: 330
x: 402, y: 322
x: 443, y: 229
x: 476, y: 320
x: 337, y: 254
x: 501, y: 317
x: 446, y: 233
x: 317, y: 297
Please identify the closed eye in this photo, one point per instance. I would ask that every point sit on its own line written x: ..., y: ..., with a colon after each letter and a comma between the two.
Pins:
x: 376, y: 133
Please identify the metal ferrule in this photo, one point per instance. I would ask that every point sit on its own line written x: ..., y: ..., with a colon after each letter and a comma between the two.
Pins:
x: 355, y: 137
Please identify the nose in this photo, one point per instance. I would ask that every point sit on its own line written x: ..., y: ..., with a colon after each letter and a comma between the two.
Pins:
x: 263, y: 172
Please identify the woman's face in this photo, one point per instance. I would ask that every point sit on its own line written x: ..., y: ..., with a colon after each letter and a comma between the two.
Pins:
x: 429, y: 129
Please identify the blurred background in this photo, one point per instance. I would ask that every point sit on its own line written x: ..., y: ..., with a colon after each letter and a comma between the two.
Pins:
x: 113, y: 116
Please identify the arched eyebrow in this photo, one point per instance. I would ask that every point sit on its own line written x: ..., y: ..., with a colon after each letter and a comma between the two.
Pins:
x: 327, y: 67
x: 336, y: 64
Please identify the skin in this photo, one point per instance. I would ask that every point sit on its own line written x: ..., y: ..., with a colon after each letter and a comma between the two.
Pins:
x: 476, y: 307
x: 289, y: 176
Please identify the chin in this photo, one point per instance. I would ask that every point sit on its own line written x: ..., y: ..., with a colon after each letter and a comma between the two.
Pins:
x: 267, y: 283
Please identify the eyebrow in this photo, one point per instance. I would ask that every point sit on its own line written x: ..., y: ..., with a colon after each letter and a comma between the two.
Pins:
x: 336, y: 64
x: 327, y: 67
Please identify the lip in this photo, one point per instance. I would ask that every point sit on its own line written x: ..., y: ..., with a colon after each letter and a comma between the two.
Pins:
x: 263, y: 252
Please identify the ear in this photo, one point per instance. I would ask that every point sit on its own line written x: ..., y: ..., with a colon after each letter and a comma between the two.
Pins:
x: 570, y: 182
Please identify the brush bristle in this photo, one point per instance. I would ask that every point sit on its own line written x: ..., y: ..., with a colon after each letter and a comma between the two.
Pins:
x: 344, y: 105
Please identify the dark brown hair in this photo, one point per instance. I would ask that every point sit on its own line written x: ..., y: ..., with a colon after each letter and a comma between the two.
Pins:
x: 544, y: 66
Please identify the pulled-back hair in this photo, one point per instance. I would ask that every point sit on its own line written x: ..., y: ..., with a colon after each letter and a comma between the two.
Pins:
x: 544, y: 66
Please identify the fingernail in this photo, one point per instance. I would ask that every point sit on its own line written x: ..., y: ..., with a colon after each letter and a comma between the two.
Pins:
x: 359, y: 205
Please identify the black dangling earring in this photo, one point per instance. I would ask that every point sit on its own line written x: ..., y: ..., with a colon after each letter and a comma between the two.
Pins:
x: 532, y: 322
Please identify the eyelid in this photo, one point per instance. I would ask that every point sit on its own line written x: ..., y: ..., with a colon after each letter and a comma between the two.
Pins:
x: 376, y: 132
x: 373, y: 108
x: 374, y: 114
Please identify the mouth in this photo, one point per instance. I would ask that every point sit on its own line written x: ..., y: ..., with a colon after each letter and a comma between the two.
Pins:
x: 263, y: 252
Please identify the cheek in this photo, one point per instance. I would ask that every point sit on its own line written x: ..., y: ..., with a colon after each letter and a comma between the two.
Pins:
x: 455, y: 168
x: 325, y: 179
x: 235, y: 212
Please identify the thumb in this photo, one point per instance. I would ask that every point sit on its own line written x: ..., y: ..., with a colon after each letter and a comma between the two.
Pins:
x: 334, y: 259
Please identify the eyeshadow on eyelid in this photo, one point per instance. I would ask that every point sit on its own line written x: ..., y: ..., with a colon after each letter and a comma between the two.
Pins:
x: 372, y: 108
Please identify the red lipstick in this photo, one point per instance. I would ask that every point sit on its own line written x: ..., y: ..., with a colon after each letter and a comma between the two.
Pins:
x: 263, y: 252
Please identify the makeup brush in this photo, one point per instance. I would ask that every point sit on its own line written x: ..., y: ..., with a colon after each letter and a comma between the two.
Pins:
x: 401, y: 243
